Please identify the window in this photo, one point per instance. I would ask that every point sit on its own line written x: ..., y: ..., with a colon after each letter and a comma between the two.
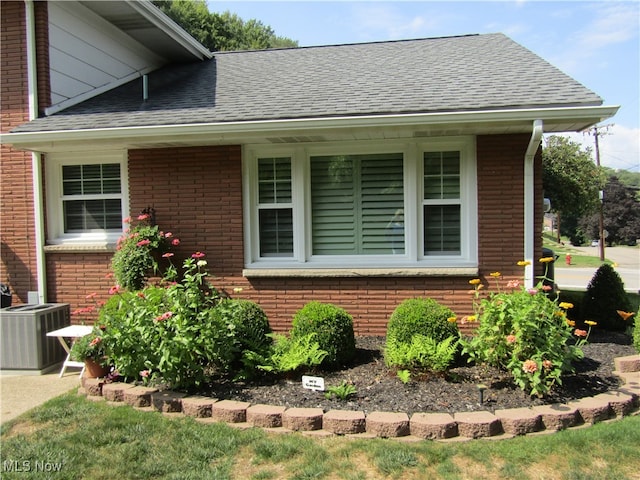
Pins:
x: 86, y: 198
x: 441, y: 203
x: 275, y: 207
x: 387, y: 204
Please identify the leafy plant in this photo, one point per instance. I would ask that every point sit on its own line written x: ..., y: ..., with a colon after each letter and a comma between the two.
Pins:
x: 168, y: 332
x: 404, y: 376
x: 90, y: 347
x: 342, y: 391
x: 636, y: 328
x: 422, y: 352
x: 137, y: 249
x: 525, y: 332
x: 605, y: 295
x: 288, y: 354
x: 333, y: 328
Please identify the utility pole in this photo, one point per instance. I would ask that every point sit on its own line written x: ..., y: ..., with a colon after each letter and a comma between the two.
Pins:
x: 601, y: 236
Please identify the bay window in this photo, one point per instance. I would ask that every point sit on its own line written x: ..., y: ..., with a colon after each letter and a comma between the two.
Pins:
x: 362, y: 205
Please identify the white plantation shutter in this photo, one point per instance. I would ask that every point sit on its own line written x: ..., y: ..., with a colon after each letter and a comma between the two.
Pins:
x: 91, y: 197
x: 356, y: 204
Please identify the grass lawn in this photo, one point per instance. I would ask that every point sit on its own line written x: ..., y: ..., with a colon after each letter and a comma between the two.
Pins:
x: 578, y: 258
x: 71, y: 437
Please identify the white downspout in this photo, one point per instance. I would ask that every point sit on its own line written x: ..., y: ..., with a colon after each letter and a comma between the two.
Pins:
x: 36, y: 159
x: 529, y: 204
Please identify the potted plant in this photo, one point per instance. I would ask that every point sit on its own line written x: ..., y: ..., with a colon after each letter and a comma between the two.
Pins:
x: 90, y: 349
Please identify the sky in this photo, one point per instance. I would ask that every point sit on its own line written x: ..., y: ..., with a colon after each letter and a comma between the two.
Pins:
x: 596, y: 43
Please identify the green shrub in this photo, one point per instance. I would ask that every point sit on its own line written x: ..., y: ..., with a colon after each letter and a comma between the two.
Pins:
x: 423, y: 316
x: 333, y: 327
x: 168, y: 334
x: 605, y: 295
x: 422, y: 352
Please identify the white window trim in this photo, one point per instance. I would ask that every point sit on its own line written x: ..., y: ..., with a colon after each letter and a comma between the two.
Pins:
x: 413, y: 258
x: 55, y: 216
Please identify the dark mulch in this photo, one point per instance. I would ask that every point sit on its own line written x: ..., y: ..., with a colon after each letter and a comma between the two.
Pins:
x: 379, y: 389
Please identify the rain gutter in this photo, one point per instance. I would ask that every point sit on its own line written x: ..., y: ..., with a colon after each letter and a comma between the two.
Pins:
x: 530, y: 203
x: 36, y: 158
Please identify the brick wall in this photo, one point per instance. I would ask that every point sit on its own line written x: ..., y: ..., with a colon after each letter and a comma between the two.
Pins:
x: 17, y: 248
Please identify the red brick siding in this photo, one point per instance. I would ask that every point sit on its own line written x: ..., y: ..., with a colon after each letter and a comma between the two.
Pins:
x: 17, y: 248
x: 72, y: 276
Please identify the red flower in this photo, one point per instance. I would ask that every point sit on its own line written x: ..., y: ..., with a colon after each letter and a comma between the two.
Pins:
x: 95, y: 341
x: 197, y: 255
x: 175, y: 242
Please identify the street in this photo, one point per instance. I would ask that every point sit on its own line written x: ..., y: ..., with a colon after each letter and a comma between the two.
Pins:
x: 628, y: 267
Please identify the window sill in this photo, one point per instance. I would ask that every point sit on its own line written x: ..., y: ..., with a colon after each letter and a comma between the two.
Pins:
x: 81, y: 248
x: 359, y: 272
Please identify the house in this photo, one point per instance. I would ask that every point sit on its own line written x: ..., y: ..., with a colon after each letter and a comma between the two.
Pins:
x: 359, y: 174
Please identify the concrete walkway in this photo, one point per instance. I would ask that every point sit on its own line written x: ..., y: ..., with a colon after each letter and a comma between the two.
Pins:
x: 20, y: 393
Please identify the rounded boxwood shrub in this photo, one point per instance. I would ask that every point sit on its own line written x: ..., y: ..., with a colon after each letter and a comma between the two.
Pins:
x: 421, y: 316
x: 604, y: 297
x: 333, y: 327
x: 249, y: 323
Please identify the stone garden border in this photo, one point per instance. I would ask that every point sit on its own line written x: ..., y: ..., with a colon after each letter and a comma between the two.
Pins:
x: 506, y: 423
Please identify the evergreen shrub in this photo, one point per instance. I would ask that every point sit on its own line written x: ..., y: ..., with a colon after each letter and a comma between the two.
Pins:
x: 333, y: 329
x: 605, y: 295
x: 419, y: 334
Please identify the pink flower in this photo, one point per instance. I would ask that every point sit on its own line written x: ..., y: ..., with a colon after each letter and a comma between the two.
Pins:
x: 167, y: 255
x: 197, y: 255
x: 115, y: 289
x: 529, y: 366
x: 533, y: 291
x: 511, y: 339
x: 91, y: 295
x: 547, y: 288
x: 547, y: 364
x: 580, y: 333
x: 144, y: 373
x: 175, y: 242
x: 109, y: 275
x: 127, y: 220
x: 513, y: 284
x: 168, y: 235
x: 142, y: 243
x: 143, y: 216
x: 95, y: 341
x: 163, y: 317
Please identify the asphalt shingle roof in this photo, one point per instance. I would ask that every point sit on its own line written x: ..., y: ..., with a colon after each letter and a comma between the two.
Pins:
x: 452, y: 74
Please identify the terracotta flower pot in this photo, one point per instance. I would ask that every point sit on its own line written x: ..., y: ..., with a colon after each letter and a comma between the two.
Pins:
x: 92, y: 369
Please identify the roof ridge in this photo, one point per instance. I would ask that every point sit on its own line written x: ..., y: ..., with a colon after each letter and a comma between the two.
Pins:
x: 376, y: 42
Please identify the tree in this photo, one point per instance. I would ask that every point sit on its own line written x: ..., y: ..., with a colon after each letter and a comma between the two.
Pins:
x: 221, y: 32
x: 621, y: 211
x: 571, y: 181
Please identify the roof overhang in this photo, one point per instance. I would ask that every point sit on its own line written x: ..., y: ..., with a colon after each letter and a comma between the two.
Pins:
x: 147, y: 24
x: 372, y: 127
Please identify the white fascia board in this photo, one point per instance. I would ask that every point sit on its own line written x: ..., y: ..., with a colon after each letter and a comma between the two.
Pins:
x: 171, y: 28
x: 34, y: 140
